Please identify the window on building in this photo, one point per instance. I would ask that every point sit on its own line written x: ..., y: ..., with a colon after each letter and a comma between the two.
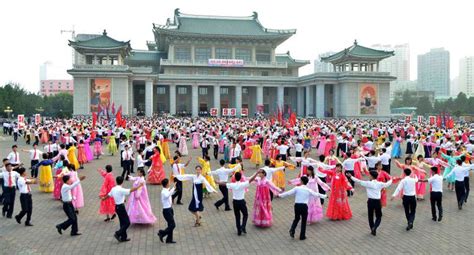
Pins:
x: 244, y: 73
x: 264, y: 73
x: 182, y: 53
x: 89, y: 59
x: 202, y: 54
x: 141, y: 91
x: 203, y: 71
x: 263, y: 55
x: 160, y: 90
x: 244, y: 54
x: 202, y: 91
x: 224, y: 72
x: 223, y: 53
x: 182, y: 90
x: 245, y: 90
x: 224, y: 91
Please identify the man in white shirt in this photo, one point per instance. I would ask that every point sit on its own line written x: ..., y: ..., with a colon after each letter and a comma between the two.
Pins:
x: 269, y: 172
x: 385, y: 158
x: 50, y: 148
x: 25, y: 198
x: 283, y: 151
x: 374, y: 205
x: 127, y: 156
x: 35, y: 156
x: 168, y: 213
x: 9, y: 184
x: 298, y: 151
x: 119, y: 194
x: 236, y: 150
x: 240, y: 207
x: 177, y: 170
x: 372, y: 160
x: 407, y: 186
x: 302, y: 195
x: 68, y: 208
x: 223, y: 175
x: 14, y: 157
x: 436, y: 194
x: 460, y: 171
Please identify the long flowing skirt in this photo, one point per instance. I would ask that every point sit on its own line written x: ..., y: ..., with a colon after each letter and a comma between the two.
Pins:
x: 139, y: 209
x: 262, y: 207
x: 194, y: 205
x: 107, y: 206
x: 58, y: 184
x: 98, y: 149
x: 279, y: 179
x: 183, y: 148
x: 157, y: 174
x: 315, y: 210
x: 77, y: 195
x: 46, y: 179
x: 396, y: 150
x: 195, y: 142
x: 112, y: 147
x: 420, y: 186
x: 338, y: 207
x: 81, y: 156
x: 256, y: 157
x: 87, y: 149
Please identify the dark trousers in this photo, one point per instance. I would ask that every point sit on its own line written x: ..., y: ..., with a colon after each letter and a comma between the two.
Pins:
x: 460, y: 192
x: 127, y: 164
x: 204, y: 152
x: 374, y: 206
x: 350, y: 193
x: 298, y: 154
x: 8, y: 201
x: 124, y: 221
x: 225, y: 198
x: 271, y: 195
x: 341, y: 147
x: 283, y: 156
x: 168, y: 214
x: 15, y: 137
x: 321, y: 190
x: 301, y: 212
x: 71, y: 218
x: 240, y: 208
x: 436, y: 199
x: 179, y: 190
x: 386, y: 168
x: 466, y: 188
x: 3, y: 190
x: 34, y: 170
x: 216, y: 151
x: 409, y: 203
x: 26, y: 207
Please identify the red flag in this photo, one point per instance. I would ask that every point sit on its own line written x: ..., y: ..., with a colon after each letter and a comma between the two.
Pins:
x: 94, y: 119
x: 120, y: 108
x: 113, y: 108
x: 99, y: 109
x: 438, y: 121
x: 124, y: 123
x: 118, y: 118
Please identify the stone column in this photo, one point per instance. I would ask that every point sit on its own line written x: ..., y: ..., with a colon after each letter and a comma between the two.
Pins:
x: 320, y: 100
x: 217, y: 98
x: 309, y: 100
x: 238, y: 99
x: 130, y: 97
x: 149, y: 98
x: 259, y: 95
x: 281, y: 97
x: 172, y: 92
x: 300, y: 101
x: 336, y: 101
x: 195, y: 100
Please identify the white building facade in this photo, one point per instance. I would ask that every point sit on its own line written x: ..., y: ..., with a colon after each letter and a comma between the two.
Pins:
x: 466, y: 76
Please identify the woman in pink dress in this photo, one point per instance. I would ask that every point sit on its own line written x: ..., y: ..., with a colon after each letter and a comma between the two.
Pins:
x: 262, y: 206
x: 183, y: 147
x: 87, y: 148
x: 107, y: 206
x: 248, y: 148
x: 81, y: 154
x: 315, y: 210
x: 156, y: 171
x: 58, y: 174
x: 98, y: 147
x: 195, y: 136
x: 138, y: 206
x: 77, y: 195
x: 322, y: 145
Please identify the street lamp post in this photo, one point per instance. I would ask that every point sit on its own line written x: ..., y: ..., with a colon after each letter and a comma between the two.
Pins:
x: 8, y: 111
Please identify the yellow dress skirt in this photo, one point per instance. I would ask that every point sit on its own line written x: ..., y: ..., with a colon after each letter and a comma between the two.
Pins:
x: 46, y: 183
x: 256, y: 155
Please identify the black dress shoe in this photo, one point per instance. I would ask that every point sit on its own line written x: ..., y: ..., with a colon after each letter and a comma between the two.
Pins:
x: 60, y: 231
x: 117, y: 237
x: 76, y: 234
x: 125, y: 240
x: 170, y: 241
x: 28, y: 225
x: 179, y: 203
x: 434, y: 218
x: 217, y: 207
x: 160, y: 235
x: 244, y: 231
x: 440, y: 218
x: 228, y: 209
x: 292, y: 234
x: 113, y: 216
x: 18, y: 219
x: 373, y: 232
x: 303, y: 238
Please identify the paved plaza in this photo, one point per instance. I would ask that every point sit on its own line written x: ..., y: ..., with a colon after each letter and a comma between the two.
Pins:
x: 217, y: 235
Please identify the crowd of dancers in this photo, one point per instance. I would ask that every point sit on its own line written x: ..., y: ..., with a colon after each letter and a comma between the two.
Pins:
x: 345, y: 153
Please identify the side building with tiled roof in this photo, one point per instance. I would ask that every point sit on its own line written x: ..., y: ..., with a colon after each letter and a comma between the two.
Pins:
x: 202, y: 64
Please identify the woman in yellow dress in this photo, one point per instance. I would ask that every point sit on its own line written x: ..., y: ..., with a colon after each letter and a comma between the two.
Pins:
x: 256, y: 155
x: 46, y: 183
x: 206, y: 172
x: 279, y: 176
x: 112, y: 146
x: 71, y: 156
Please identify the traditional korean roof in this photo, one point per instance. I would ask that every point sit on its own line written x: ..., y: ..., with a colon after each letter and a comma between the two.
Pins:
x: 220, y: 26
x: 144, y: 58
x: 98, y: 42
x: 357, y: 52
x: 286, y: 58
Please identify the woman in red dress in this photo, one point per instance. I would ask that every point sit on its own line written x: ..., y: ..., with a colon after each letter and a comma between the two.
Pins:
x: 338, y: 207
x: 107, y: 206
x: 382, y: 177
x: 156, y: 171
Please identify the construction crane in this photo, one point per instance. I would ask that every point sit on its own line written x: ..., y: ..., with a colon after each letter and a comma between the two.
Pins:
x: 73, y: 37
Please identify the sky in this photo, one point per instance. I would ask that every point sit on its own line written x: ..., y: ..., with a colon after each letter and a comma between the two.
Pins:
x: 30, y: 31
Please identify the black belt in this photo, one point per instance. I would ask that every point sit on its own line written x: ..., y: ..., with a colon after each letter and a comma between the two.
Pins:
x: 376, y: 199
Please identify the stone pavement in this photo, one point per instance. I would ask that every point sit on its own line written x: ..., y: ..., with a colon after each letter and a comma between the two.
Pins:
x: 218, y: 235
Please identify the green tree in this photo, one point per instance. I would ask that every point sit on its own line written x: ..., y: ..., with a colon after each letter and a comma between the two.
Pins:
x: 424, y: 106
